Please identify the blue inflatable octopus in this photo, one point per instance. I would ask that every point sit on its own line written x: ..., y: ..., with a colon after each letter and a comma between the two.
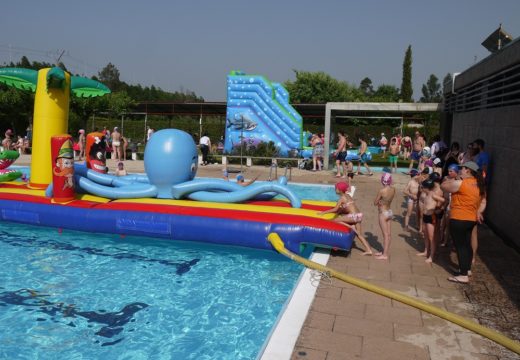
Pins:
x: 170, y: 161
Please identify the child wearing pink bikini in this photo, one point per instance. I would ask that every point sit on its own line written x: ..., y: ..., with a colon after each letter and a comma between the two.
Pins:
x: 348, y: 214
x: 383, y: 202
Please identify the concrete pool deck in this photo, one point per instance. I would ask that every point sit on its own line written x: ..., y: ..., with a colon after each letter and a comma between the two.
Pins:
x: 346, y: 322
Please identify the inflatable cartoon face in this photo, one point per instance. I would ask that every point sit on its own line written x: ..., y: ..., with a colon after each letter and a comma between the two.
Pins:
x: 97, y: 155
x: 170, y: 158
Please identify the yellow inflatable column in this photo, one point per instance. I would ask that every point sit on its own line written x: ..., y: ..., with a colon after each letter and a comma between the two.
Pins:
x: 51, y: 116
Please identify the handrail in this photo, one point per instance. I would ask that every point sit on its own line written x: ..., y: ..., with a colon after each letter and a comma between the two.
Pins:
x: 511, y: 344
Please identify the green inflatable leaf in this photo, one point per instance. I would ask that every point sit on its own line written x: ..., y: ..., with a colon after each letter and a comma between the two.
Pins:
x: 55, y: 78
x: 23, y: 79
x: 84, y: 87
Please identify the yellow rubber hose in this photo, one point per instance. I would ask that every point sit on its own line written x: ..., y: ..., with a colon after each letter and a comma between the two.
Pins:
x: 512, y: 345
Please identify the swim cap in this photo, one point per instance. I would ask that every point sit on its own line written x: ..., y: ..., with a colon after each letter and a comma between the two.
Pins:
x: 386, y: 179
x: 81, y: 131
x: 435, y: 176
x: 428, y: 184
x: 240, y: 177
x: 454, y: 167
x: 414, y: 172
x: 342, y: 186
x: 426, y: 152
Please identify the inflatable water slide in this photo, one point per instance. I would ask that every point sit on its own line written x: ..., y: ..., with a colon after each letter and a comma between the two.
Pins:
x: 259, y: 111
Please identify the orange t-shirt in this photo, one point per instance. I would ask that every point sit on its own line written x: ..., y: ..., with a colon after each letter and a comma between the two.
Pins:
x: 466, y: 201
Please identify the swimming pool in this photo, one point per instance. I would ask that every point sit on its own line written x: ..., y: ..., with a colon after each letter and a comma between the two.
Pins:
x: 78, y: 295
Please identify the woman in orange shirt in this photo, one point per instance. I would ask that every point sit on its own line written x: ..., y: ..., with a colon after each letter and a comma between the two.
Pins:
x: 468, y: 202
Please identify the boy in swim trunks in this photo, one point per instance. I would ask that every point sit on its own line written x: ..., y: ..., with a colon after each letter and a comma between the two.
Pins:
x: 418, y: 145
x: 394, y: 154
x: 363, y: 157
x: 348, y: 214
x: 430, y: 201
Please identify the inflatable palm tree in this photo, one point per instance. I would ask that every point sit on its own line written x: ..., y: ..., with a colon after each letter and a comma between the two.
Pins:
x: 53, y: 87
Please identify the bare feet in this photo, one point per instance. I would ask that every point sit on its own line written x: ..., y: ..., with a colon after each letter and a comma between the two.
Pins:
x: 378, y: 254
x: 367, y: 253
x: 381, y: 257
x: 421, y: 254
x: 461, y: 279
x: 428, y: 261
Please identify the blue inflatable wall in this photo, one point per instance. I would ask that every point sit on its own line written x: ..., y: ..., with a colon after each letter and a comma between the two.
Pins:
x: 259, y: 111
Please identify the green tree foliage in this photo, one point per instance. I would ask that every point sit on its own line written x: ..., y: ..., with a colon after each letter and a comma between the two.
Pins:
x: 319, y: 88
x: 406, y: 85
x: 385, y: 93
x: 109, y: 76
x: 431, y: 90
x: 366, y: 87
x: 448, y: 79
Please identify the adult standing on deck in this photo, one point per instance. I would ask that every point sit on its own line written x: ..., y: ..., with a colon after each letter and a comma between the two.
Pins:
x: 418, y: 145
x: 383, y: 142
x: 468, y: 202
x: 341, y: 155
x: 82, y: 144
x: 116, y: 144
x: 317, y: 152
x: 363, y: 156
x: 205, y: 146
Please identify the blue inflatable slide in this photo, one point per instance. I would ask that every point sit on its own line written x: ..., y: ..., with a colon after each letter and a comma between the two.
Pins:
x: 259, y: 111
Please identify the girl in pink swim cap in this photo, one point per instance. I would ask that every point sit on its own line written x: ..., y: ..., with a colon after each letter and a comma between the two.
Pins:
x: 348, y: 214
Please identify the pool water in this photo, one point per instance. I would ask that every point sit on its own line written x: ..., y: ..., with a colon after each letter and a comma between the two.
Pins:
x: 314, y: 192
x: 74, y: 295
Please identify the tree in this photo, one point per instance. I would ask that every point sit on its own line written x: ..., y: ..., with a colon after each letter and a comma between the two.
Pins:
x: 431, y: 90
x: 319, y: 88
x: 109, y: 76
x: 448, y: 79
x: 386, y: 93
x: 366, y: 87
x: 406, y: 85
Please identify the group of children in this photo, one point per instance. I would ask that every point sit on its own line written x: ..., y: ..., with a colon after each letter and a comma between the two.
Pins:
x: 431, y: 205
x: 423, y: 195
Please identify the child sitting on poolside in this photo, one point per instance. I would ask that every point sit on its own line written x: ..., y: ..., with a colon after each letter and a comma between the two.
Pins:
x: 348, y: 214
x: 121, y: 171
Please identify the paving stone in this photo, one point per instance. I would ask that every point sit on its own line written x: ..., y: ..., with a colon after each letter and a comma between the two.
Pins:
x: 329, y: 341
x: 382, y: 348
x: 363, y: 296
x: 320, y: 321
x: 363, y: 327
x: 338, y: 307
x: 328, y: 291
x: 303, y: 353
x: 394, y: 315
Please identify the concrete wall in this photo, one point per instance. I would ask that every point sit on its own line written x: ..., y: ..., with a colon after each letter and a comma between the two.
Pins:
x: 500, y: 129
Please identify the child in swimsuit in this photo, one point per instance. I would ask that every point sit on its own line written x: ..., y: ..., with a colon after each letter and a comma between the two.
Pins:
x: 348, y: 214
x: 411, y: 191
x: 384, y: 201
x: 430, y: 202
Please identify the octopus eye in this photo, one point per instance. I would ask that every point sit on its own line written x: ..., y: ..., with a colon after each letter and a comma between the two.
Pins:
x: 193, y: 167
x: 99, y: 155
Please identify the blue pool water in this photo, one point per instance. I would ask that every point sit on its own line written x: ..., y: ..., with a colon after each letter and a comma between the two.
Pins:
x: 82, y: 296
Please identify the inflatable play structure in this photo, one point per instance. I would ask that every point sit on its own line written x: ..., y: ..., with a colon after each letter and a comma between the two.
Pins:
x: 259, y: 111
x: 166, y: 202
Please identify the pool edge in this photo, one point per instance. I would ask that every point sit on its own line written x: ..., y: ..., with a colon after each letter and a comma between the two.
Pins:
x: 282, y: 339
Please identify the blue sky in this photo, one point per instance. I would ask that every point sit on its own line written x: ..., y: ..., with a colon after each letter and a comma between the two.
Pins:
x: 194, y: 44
